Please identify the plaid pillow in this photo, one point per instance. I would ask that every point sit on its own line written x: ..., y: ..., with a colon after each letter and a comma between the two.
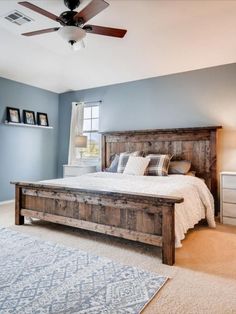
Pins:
x: 124, y: 157
x: 158, y: 165
x: 114, y: 164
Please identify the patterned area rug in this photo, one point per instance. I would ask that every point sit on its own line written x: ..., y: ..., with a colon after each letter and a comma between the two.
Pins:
x: 44, y: 277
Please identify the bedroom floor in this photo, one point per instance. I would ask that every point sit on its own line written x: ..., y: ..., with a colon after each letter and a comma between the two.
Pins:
x: 203, y: 278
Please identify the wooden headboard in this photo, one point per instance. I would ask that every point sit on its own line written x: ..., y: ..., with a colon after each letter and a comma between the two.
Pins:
x: 195, y: 144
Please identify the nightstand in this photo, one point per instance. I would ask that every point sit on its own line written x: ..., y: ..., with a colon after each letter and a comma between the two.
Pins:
x: 77, y: 170
x: 228, y: 198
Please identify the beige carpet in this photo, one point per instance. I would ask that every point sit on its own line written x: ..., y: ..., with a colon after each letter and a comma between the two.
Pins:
x: 203, y: 279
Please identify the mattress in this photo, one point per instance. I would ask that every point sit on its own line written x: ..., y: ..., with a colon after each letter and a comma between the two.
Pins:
x: 198, y: 201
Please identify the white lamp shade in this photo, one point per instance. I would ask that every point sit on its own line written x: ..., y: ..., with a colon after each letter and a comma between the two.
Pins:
x: 81, y: 141
x: 72, y: 33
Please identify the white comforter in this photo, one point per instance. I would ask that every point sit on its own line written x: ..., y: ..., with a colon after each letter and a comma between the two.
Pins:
x: 198, y: 201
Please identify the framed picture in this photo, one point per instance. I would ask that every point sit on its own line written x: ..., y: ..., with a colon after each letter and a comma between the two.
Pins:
x: 28, y: 117
x: 13, y: 115
x: 42, y: 119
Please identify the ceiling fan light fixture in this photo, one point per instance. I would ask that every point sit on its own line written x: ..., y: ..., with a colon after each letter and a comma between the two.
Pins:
x: 74, y: 24
x: 72, y: 34
x: 78, y: 45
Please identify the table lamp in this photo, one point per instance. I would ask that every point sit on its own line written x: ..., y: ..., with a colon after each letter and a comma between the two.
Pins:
x: 81, y: 142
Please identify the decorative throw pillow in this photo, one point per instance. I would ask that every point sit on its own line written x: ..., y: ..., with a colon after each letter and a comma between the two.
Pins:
x: 158, y: 165
x: 179, y: 167
x: 136, y: 165
x: 114, y: 164
x: 124, y: 157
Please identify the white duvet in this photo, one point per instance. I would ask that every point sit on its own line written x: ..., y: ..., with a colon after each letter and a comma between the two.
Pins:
x: 198, y: 201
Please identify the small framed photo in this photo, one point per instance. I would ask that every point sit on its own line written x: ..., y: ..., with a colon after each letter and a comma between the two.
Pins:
x: 42, y: 119
x: 29, y: 117
x: 13, y: 115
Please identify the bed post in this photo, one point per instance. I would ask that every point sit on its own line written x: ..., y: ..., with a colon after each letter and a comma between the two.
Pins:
x: 168, y: 234
x: 104, y: 152
x: 213, y: 169
x: 19, y: 219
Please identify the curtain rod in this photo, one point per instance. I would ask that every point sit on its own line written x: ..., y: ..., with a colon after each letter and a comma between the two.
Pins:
x: 92, y: 102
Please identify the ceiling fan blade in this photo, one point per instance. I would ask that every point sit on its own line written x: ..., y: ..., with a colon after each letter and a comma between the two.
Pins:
x: 39, y: 10
x: 106, y: 31
x: 42, y: 31
x: 92, y: 9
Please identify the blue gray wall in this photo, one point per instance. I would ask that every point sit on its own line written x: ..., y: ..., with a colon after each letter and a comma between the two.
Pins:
x: 26, y: 153
x: 196, y: 98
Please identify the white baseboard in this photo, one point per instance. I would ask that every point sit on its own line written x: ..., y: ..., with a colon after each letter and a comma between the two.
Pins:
x: 7, y: 202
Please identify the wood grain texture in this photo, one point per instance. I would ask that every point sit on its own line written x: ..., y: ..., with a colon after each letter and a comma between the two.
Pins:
x: 39, y: 10
x: 105, y: 31
x: 168, y: 235
x: 19, y: 219
x: 42, y: 31
x: 213, y: 169
x: 197, y: 145
x: 133, y: 216
x: 116, y: 196
x: 138, y: 217
x: 105, y: 229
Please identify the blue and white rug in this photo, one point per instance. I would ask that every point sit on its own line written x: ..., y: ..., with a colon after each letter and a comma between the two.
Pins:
x: 42, y: 277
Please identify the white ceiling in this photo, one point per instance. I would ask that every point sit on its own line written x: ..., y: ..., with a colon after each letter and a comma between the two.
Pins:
x: 163, y: 37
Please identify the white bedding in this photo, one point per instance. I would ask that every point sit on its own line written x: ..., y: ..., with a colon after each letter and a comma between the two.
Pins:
x: 198, y: 201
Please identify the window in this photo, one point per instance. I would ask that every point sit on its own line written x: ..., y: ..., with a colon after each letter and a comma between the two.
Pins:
x: 90, y: 129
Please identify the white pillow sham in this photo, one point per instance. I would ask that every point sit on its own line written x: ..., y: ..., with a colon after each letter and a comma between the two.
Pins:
x: 136, y: 165
x: 123, y: 159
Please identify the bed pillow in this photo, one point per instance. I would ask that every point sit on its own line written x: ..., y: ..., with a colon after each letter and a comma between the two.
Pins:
x: 179, y: 167
x: 124, y: 157
x: 158, y: 165
x: 114, y: 164
x: 136, y: 165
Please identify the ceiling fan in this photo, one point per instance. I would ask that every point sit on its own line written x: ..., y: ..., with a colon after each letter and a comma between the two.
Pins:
x: 73, y: 28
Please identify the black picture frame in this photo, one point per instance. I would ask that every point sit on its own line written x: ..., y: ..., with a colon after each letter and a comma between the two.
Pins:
x: 13, y: 115
x: 29, y: 117
x: 42, y: 119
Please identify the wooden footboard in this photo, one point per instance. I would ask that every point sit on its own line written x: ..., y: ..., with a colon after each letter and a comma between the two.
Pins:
x: 137, y: 217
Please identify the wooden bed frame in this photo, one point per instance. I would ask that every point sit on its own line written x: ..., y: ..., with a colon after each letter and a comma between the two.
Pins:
x: 144, y: 218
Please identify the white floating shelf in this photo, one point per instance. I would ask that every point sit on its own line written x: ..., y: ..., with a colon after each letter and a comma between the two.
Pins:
x: 28, y: 125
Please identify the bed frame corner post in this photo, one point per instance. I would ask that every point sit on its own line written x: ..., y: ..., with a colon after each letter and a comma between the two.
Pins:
x: 19, y: 219
x: 168, y: 235
x: 213, y: 169
x: 103, y: 151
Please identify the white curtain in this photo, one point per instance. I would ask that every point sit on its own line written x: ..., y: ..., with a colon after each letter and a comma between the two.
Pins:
x: 76, y: 128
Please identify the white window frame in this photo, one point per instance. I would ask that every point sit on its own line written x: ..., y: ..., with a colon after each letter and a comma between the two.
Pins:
x: 86, y: 159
